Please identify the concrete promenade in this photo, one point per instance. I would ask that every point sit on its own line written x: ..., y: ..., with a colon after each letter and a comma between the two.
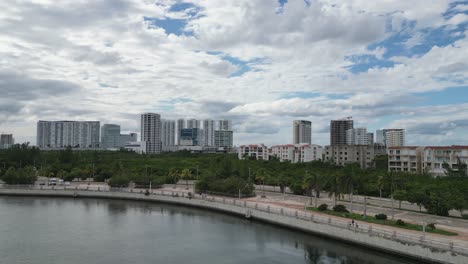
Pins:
x: 429, y: 248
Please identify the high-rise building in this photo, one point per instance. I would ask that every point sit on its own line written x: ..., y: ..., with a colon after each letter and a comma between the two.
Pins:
x: 180, y: 126
x: 208, y: 131
x: 127, y: 139
x: 6, y: 140
x: 193, y: 123
x: 60, y: 134
x: 380, y: 136
x: 223, y: 138
x: 191, y: 137
x: 391, y: 137
x: 357, y: 136
x: 110, y: 136
x: 338, y: 130
x: 370, y: 138
x: 224, y: 125
x: 394, y: 137
x: 168, y: 132
x: 151, y: 132
x: 302, y: 132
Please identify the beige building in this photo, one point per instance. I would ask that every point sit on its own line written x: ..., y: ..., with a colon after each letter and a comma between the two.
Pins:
x: 405, y: 158
x: 395, y: 137
x: 346, y: 154
x: 258, y: 152
x: 426, y: 159
x: 434, y: 157
x: 297, y: 153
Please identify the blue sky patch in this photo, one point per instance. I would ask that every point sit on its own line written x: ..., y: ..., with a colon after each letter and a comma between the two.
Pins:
x: 183, y: 7
x: 452, y: 10
x: 170, y: 26
x: 307, y: 95
x: 452, y: 95
x: 243, y: 65
x: 362, y: 63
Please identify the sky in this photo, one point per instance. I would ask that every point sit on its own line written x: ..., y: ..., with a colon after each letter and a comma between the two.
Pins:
x: 261, y: 63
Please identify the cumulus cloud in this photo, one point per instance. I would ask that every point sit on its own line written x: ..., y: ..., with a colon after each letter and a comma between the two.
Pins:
x: 107, y: 60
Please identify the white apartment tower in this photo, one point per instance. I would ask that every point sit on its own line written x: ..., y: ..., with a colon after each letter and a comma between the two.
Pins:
x: 193, y: 123
x: 208, y: 132
x: 395, y: 138
x: 302, y: 132
x: 224, y: 125
x: 151, y: 132
x: 357, y: 136
x: 180, y: 126
x: 168, y: 132
x: 75, y: 134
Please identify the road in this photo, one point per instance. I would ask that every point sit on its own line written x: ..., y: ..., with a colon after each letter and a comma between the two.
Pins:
x: 409, y: 216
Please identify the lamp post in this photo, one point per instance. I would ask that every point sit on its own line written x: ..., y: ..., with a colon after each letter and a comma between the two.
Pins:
x: 391, y: 193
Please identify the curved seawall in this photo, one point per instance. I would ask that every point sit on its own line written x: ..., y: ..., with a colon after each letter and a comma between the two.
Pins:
x: 416, y: 247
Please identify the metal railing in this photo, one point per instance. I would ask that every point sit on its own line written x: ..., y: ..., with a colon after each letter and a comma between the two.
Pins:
x: 361, y: 227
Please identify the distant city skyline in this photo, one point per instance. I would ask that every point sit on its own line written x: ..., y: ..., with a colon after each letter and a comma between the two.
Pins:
x: 393, y: 64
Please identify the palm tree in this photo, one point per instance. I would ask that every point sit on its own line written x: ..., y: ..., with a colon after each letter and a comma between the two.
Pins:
x: 186, y: 175
x: 260, y: 176
x: 380, y: 184
x: 335, y: 187
x: 309, y: 184
x: 348, y: 181
x: 174, y: 174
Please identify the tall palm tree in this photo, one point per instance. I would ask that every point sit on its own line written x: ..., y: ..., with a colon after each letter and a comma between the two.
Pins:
x: 186, y: 175
x: 309, y: 184
x: 348, y: 181
x: 334, y: 187
x: 380, y: 184
x: 261, y: 176
x: 174, y: 174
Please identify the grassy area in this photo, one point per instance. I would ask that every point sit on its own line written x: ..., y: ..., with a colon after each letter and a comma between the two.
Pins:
x: 371, y: 219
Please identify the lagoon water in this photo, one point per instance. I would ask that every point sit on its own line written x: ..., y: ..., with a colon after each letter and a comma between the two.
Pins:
x: 37, y: 230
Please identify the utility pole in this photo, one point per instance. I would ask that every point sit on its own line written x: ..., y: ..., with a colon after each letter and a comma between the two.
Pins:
x: 391, y: 195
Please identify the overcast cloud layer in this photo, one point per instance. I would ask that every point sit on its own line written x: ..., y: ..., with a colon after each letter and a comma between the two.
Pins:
x: 260, y: 63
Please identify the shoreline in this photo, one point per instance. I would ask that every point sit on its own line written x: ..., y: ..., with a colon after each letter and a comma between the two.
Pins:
x: 395, y: 244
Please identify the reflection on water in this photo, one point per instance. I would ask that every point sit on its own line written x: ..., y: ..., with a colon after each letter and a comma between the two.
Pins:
x: 71, y: 231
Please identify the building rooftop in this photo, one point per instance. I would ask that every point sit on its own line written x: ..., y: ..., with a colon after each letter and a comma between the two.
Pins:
x: 448, y: 147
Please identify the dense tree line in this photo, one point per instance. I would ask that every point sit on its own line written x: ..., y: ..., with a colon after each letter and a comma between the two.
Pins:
x: 225, y: 174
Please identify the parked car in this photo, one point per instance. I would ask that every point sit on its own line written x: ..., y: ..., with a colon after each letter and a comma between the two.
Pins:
x: 53, y: 181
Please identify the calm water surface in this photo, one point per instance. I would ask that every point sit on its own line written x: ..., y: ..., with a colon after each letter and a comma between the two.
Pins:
x: 68, y: 231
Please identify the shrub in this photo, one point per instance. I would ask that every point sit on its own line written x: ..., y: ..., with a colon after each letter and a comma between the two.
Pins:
x: 381, y: 217
x: 323, y: 207
x: 119, y: 181
x: 431, y: 226
x: 340, y: 208
x: 400, y: 222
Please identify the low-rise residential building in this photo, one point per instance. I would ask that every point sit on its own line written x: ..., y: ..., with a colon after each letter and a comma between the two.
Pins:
x: 435, y: 156
x: 346, y: 154
x: 283, y: 152
x: 405, y: 158
x: 297, y: 153
x: 428, y: 159
x: 253, y: 151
